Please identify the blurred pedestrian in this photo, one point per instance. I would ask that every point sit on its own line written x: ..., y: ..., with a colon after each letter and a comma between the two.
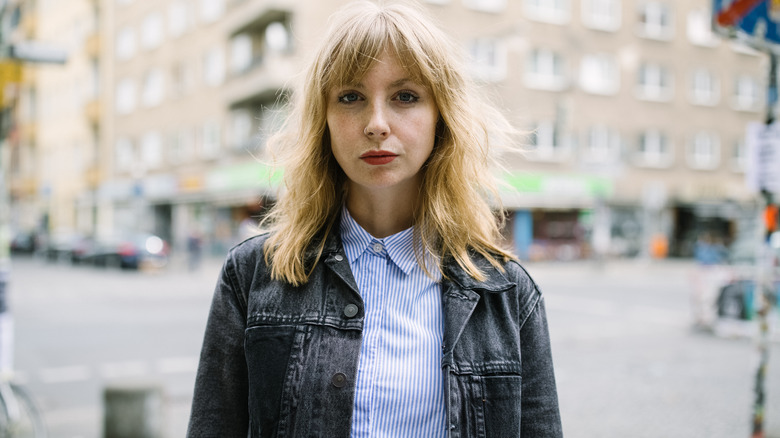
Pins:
x: 711, y: 256
x: 380, y: 303
x: 194, y: 250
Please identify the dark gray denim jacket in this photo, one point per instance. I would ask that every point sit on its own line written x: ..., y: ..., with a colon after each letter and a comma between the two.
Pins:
x: 280, y: 361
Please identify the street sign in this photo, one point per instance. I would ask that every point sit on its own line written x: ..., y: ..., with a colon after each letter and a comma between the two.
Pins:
x: 756, y: 22
x: 33, y: 51
x: 763, y: 157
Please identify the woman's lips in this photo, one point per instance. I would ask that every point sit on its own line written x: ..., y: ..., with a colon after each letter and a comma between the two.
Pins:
x: 377, y: 158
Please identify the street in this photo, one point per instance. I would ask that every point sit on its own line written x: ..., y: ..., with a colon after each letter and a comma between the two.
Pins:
x: 628, y: 362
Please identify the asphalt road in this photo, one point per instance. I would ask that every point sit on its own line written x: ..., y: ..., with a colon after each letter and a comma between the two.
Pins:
x: 627, y: 360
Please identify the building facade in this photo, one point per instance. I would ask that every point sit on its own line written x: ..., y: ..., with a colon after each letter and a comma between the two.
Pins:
x: 635, y: 113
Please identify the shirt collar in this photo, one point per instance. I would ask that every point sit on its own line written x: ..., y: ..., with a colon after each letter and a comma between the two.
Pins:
x: 356, y: 240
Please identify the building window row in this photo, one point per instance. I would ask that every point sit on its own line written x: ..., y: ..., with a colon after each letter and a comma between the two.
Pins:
x: 600, y: 73
x: 651, y: 148
x: 179, y: 17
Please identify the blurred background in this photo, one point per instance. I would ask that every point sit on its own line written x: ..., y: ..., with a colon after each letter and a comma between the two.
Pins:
x: 132, y: 154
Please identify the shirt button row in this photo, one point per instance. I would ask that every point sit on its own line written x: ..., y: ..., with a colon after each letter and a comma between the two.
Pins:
x: 350, y: 310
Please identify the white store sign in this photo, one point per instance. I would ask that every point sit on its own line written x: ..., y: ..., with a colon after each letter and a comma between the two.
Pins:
x: 763, y: 157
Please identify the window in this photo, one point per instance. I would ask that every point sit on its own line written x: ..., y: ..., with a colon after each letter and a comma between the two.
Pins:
x: 655, y: 20
x: 211, y: 10
x: 654, y: 149
x: 545, y: 70
x: 739, y: 156
x: 602, y: 14
x: 180, y: 146
x: 549, y: 11
x: 485, y: 5
x: 746, y: 97
x: 600, y: 74
x: 153, y: 88
x: 152, y: 31
x: 602, y: 145
x: 240, y: 129
x: 240, y: 53
x: 277, y: 37
x: 183, y: 78
x: 699, y: 29
x: 211, y: 139
x: 655, y: 83
x: 488, y: 60
x: 705, y: 87
x: 125, y: 155
x: 151, y: 150
x: 546, y: 142
x: 214, y: 67
x: 125, y: 96
x: 177, y: 18
x: 125, y: 43
x: 703, y: 151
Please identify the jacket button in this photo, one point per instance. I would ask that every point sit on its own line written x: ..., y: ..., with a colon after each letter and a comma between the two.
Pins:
x: 338, y: 257
x: 339, y: 380
x: 350, y: 310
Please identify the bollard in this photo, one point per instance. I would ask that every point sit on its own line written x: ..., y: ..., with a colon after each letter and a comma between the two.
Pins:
x: 133, y: 411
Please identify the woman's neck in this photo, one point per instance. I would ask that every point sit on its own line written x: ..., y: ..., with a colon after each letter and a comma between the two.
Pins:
x: 382, y: 214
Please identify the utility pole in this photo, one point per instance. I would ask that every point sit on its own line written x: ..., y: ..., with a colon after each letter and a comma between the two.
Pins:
x: 757, y: 23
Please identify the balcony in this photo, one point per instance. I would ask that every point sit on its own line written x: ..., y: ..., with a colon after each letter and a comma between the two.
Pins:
x: 262, y: 81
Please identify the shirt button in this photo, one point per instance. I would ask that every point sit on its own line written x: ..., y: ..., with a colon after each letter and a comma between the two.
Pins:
x: 339, y: 380
x: 350, y: 310
x: 378, y: 247
x: 338, y: 257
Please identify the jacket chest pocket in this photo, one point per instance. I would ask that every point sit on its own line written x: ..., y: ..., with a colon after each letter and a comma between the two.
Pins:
x: 491, y: 406
x: 269, y: 353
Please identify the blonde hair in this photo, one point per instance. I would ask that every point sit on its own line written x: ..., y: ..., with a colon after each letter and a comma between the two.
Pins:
x: 453, y: 215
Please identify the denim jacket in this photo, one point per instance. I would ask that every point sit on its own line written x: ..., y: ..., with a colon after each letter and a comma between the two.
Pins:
x: 280, y: 361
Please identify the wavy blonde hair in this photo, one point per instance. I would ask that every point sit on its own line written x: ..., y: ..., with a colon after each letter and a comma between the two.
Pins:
x: 453, y: 216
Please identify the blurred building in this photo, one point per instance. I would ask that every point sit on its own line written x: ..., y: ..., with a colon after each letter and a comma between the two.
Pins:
x: 636, y: 114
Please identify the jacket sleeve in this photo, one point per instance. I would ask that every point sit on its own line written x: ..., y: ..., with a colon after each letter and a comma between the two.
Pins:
x: 540, y: 412
x: 219, y: 404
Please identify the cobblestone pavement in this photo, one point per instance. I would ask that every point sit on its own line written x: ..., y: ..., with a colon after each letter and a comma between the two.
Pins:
x: 628, y: 362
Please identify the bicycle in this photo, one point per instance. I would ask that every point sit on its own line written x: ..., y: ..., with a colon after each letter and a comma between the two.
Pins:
x: 19, y: 415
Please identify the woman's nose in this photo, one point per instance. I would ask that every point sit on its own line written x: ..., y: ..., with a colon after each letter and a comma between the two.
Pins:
x: 377, y: 126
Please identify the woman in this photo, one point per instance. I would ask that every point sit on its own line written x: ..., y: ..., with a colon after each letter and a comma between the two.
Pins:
x: 380, y: 303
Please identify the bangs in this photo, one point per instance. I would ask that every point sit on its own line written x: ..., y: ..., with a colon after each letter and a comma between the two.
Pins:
x: 360, y: 43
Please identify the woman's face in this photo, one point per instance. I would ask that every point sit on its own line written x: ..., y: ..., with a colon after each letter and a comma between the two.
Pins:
x: 382, y: 129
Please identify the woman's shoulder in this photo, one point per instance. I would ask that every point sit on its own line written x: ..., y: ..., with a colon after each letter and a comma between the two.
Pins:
x: 249, y: 252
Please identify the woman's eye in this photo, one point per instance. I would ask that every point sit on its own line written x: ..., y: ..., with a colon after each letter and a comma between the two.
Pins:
x: 407, y: 97
x: 348, y: 98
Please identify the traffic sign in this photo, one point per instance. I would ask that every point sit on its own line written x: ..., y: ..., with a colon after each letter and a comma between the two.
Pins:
x: 757, y: 22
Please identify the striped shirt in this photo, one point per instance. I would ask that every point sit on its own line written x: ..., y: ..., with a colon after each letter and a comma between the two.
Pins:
x: 399, y: 387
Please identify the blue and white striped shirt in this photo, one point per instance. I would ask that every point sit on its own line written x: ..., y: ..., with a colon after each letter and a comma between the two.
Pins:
x: 399, y: 388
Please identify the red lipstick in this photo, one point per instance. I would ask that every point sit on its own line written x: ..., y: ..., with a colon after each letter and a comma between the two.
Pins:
x: 377, y: 158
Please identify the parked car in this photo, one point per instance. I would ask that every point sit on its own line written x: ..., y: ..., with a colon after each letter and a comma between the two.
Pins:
x: 23, y: 242
x: 71, y: 247
x: 129, y: 251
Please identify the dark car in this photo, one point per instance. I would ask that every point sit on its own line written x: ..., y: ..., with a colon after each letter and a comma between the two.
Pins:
x: 71, y: 247
x: 23, y: 242
x: 129, y: 251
